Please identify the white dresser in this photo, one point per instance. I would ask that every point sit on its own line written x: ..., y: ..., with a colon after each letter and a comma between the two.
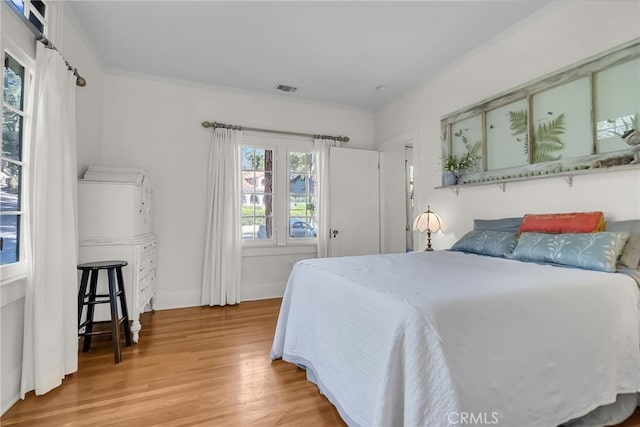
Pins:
x: 114, y: 223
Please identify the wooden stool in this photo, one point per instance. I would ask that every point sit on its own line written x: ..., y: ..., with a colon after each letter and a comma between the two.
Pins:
x: 114, y: 268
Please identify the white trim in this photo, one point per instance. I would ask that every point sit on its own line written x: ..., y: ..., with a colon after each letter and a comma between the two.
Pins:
x: 273, y: 250
x: 281, y: 145
x: 263, y: 291
x: 12, y: 289
x: 16, y: 49
x: 168, y: 300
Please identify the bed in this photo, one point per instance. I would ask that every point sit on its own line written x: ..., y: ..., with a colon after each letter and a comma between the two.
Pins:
x: 446, y: 337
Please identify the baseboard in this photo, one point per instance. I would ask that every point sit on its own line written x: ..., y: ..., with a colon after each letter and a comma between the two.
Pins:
x: 12, y: 380
x: 181, y: 299
x: 262, y: 291
x: 7, y: 404
x: 184, y: 299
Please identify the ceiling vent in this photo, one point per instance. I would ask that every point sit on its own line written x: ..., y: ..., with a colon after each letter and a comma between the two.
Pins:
x: 286, y: 88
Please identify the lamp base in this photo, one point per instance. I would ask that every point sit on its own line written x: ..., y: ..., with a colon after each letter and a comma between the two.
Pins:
x: 429, y: 249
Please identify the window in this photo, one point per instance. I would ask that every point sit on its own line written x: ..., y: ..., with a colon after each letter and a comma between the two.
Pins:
x: 559, y: 123
x: 257, y: 193
x: 279, y: 202
x: 302, y: 195
x: 35, y: 11
x: 13, y: 124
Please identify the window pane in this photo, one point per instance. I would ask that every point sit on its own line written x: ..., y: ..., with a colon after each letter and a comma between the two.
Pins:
x: 302, y: 202
x: 562, y: 122
x: 11, y: 135
x: 247, y: 155
x: 13, y: 82
x: 258, y: 227
x: 617, y: 104
x: 248, y: 228
x: 300, y: 162
x: 19, y: 4
x: 257, y: 193
x: 298, y: 184
x: 300, y: 228
x: 9, y: 231
x: 297, y: 206
x: 39, y: 6
x: 36, y: 22
x: 10, y: 182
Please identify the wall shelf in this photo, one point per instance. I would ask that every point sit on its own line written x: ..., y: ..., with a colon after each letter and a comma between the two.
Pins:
x: 568, y: 177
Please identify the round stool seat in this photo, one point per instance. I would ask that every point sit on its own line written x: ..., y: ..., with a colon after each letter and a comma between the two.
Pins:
x: 99, y: 265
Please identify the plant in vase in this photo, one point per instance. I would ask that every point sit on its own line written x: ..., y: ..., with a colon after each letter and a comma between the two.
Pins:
x: 452, y: 165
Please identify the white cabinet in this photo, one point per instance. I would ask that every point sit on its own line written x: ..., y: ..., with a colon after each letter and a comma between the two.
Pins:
x: 108, y: 210
x: 139, y: 275
x: 114, y: 223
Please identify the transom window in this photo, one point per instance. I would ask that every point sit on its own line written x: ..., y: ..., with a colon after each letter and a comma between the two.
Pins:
x: 35, y: 11
x: 279, y: 203
x: 13, y: 123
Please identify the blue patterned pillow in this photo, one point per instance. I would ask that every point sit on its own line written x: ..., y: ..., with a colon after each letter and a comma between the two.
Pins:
x: 492, y: 243
x: 591, y: 251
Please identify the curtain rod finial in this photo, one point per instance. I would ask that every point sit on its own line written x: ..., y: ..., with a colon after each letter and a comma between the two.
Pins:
x: 206, y: 124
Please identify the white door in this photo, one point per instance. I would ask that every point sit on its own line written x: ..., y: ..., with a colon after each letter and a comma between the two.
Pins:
x: 354, y: 202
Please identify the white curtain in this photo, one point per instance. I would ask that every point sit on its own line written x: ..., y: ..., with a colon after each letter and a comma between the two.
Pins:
x: 323, y: 148
x: 222, y: 253
x: 50, y: 348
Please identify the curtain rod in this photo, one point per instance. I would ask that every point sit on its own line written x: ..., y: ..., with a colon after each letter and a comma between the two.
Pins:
x: 80, y: 81
x: 282, y: 132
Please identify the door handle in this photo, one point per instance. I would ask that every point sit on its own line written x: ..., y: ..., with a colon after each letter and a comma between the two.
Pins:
x: 335, y: 233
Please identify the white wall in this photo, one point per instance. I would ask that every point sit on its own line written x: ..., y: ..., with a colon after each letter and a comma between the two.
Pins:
x: 89, y: 99
x: 155, y: 124
x: 562, y: 34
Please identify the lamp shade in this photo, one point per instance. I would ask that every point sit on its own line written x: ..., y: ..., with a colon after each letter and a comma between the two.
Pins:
x: 428, y: 221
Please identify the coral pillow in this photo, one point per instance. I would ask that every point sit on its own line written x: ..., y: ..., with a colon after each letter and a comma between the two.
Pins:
x: 576, y: 222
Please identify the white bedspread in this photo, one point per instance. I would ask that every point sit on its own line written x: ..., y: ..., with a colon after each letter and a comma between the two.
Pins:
x: 420, y: 339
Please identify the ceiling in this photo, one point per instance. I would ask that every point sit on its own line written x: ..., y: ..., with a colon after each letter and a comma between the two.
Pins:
x: 334, y: 52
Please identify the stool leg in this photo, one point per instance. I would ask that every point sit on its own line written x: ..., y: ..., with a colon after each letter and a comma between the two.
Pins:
x: 93, y: 290
x: 123, y: 307
x: 82, y: 294
x: 115, y: 326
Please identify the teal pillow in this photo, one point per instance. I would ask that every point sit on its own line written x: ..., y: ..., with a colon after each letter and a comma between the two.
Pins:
x: 591, y: 251
x: 492, y: 243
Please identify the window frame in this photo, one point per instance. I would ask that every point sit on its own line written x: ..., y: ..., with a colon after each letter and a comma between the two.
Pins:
x: 281, y: 146
x: 9, y: 47
x: 298, y: 240
x: 28, y: 9
x: 274, y: 212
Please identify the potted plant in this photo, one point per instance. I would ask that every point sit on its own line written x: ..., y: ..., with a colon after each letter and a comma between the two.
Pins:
x: 452, y: 165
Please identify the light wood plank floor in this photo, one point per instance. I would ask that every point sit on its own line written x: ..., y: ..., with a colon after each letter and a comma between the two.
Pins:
x: 194, y: 366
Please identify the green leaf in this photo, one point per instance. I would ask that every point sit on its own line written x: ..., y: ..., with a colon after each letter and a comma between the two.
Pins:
x: 546, y: 140
x: 518, y: 121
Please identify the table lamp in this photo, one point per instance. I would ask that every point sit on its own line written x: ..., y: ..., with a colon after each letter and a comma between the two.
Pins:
x: 430, y: 222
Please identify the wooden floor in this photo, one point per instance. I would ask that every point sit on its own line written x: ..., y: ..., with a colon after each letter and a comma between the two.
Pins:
x: 194, y: 366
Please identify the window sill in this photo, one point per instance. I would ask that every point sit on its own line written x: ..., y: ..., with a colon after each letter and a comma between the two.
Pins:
x: 10, y: 273
x: 12, y: 289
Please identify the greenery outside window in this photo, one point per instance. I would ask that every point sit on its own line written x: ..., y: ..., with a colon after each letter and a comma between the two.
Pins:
x: 279, y: 202
x: 11, y: 174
